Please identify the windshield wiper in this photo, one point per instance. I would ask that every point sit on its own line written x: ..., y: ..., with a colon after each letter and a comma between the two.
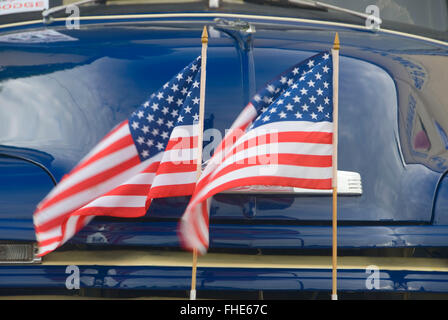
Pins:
x: 321, y: 5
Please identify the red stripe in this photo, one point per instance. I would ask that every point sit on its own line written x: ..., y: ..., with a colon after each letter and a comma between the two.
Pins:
x: 91, y: 182
x: 171, y: 167
x: 50, y: 241
x: 176, y: 190
x: 152, y: 168
x: 182, y: 143
x: 196, y: 227
x: 125, y: 212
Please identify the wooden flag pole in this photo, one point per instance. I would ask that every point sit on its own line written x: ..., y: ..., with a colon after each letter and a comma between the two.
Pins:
x: 335, y: 55
x: 204, y: 39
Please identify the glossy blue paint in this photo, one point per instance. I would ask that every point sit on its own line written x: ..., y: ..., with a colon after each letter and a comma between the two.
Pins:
x: 179, y: 278
x: 59, y: 99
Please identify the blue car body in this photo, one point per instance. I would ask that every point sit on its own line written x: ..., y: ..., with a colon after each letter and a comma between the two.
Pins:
x: 58, y: 99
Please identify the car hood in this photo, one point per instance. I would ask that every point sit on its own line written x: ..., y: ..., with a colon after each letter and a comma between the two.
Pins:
x: 62, y: 90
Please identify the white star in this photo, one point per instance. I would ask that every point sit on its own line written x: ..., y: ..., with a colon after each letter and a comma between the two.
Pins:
x: 196, y: 100
x: 146, y: 104
x: 303, y: 91
x: 271, y: 88
x: 326, y: 85
x: 311, y: 83
x: 180, y: 119
x: 169, y: 124
x: 140, y: 114
x: 159, y: 146
x: 326, y: 56
x: 155, y: 132
x: 280, y: 101
x: 140, y: 140
x: 311, y: 63
x: 273, y: 110
x: 282, y: 114
x: 325, y: 69
x: 175, y: 87
x: 187, y: 109
x: 320, y: 108
x: 189, y: 79
x: 257, y: 98
x: 160, y: 95
x: 196, y: 117
x: 283, y: 80
x: 327, y: 115
x: 296, y: 99
x: 179, y: 102
x: 290, y: 81
x: 145, y: 153
x: 305, y: 107
x: 266, y: 118
x: 164, y: 135
x: 170, y: 99
x: 166, y: 85
x: 150, y: 117
x: 174, y: 113
x: 289, y: 107
x: 314, y: 116
x: 179, y: 76
x: 165, y: 110
x: 287, y: 94
x: 194, y: 67
x: 195, y: 84
x: 263, y: 110
x: 155, y: 106
x: 294, y: 86
x: 295, y: 71
x: 326, y: 100
x: 312, y: 99
x: 160, y: 121
x: 145, y: 129
x: 298, y: 115
x: 319, y: 91
x: 184, y: 91
x: 135, y: 125
x: 149, y: 142
x: 318, y: 76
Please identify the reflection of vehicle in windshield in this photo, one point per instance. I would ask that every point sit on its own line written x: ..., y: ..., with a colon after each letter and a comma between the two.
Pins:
x: 62, y: 89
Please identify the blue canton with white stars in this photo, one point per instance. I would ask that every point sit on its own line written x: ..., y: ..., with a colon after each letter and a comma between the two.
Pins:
x: 175, y: 104
x: 303, y: 93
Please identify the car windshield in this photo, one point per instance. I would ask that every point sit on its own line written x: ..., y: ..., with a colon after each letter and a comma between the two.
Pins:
x: 431, y: 14
x: 428, y: 18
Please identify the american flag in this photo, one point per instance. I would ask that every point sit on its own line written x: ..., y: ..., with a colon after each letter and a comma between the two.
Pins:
x: 283, y: 137
x: 151, y: 154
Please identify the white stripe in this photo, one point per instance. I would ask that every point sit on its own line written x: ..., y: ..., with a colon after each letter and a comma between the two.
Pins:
x: 174, y: 178
x: 184, y: 131
x: 81, y: 198
x: 70, y: 227
x: 141, y: 178
x: 286, y: 171
x: 118, y: 201
x: 49, y: 247
x: 95, y: 168
x: 180, y: 155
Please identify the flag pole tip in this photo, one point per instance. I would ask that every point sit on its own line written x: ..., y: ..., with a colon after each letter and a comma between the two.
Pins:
x: 336, y: 44
x: 204, y: 36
